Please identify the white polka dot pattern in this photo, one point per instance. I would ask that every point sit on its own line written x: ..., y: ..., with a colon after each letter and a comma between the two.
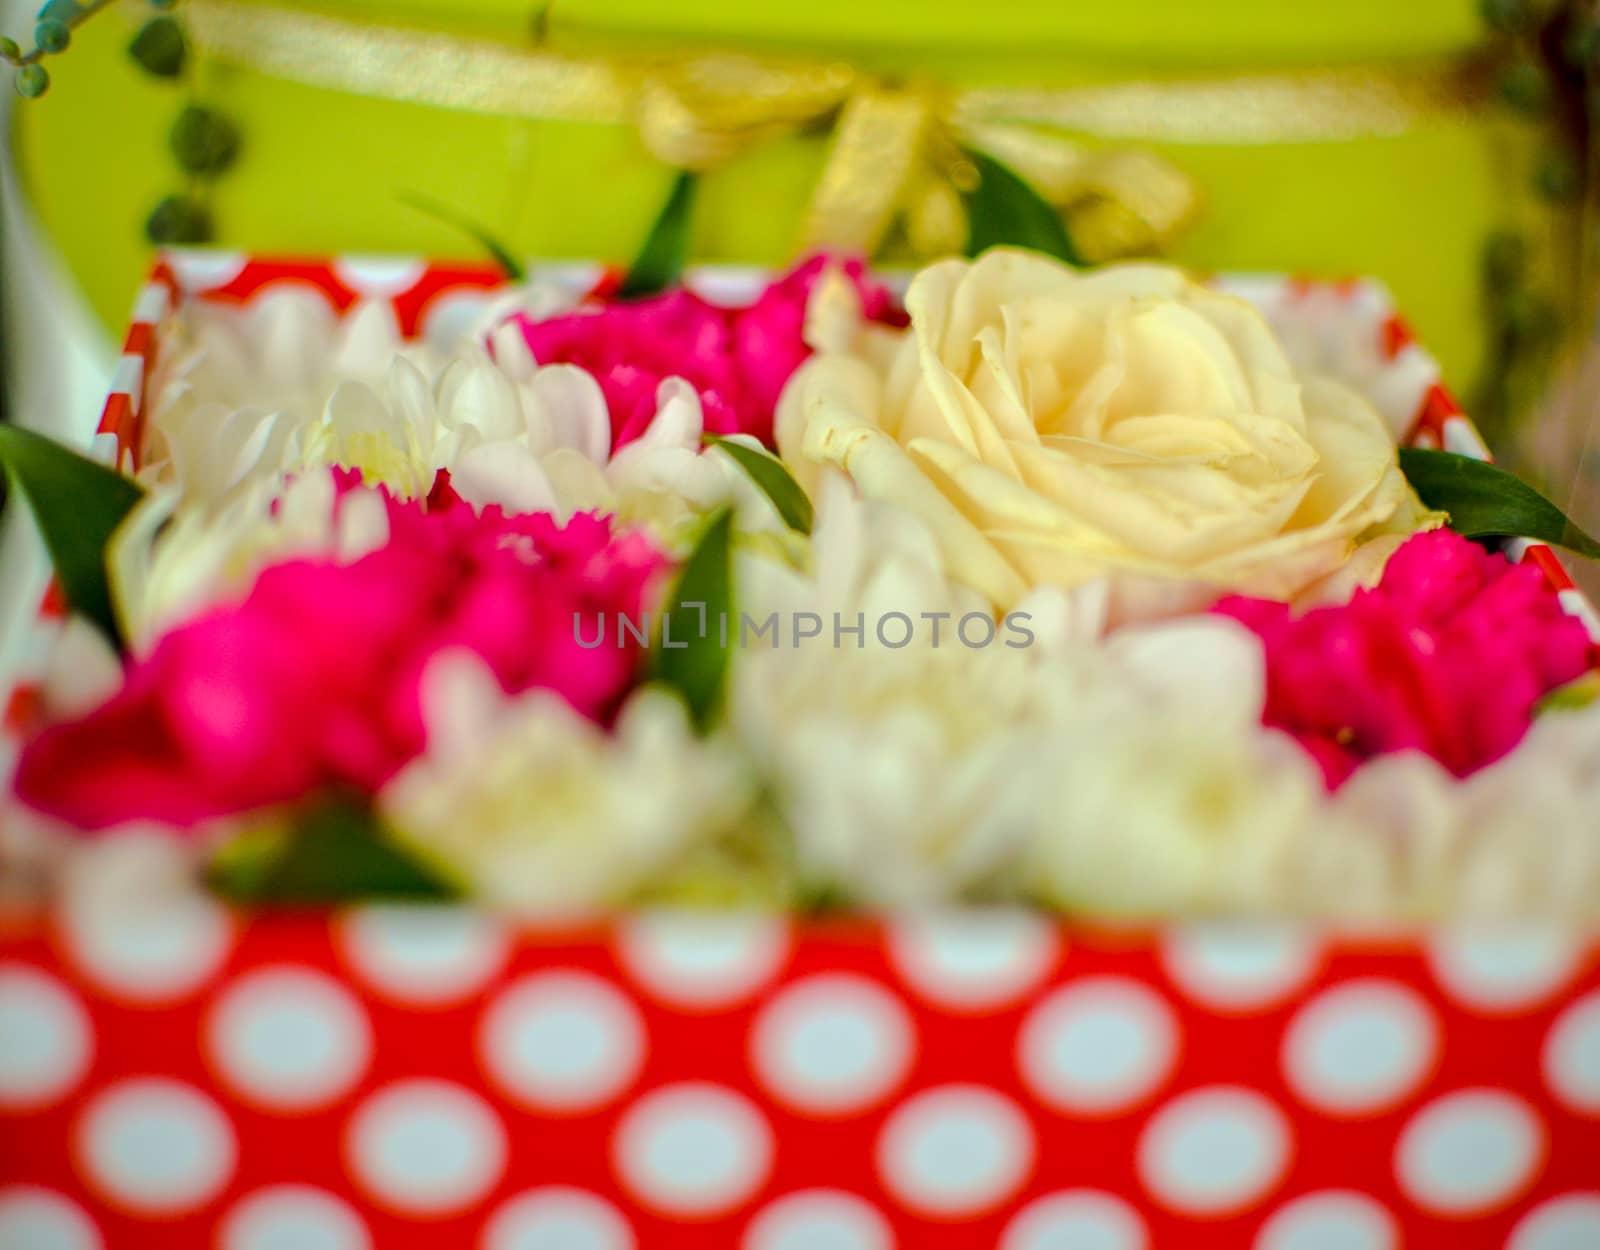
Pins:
x: 293, y: 1217
x: 1330, y: 1220
x: 557, y: 1217
x: 819, y: 1219
x: 1239, y: 967
x: 955, y: 1150
x: 1499, y: 969
x: 153, y: 955
x: 562, y: 1041
x: 426, y: 1147
x: 157, y: 1146
x: 1214, y: 1150
x: 46, y: 1038
x: 1359, y: 1047
x: 693, y: 1149
x: 1468, y: 1152
x: 702, y: 961
x: 832, y: 1044
x: 423, y: 957
x: 1572, y: 1056
x: 379, y: 277
x: 1570, y: 1222
x: 32, y: 1218
x: 289, y: 1038
x: 974, y: 960
x: 698, y: 1058
x: 1077, y: 1219
x: 204, y: 269
x: 1098, y: 1046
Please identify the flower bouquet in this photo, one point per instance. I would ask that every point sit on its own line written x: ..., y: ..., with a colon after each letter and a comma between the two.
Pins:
x: 502, y: 757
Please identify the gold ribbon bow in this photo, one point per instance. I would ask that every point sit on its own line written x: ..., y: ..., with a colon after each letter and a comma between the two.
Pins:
x: 898, y: 156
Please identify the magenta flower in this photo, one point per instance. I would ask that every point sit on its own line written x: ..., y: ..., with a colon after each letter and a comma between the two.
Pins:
x: 314, y: 679
x: 1448, y: 655
x: 736, y: 358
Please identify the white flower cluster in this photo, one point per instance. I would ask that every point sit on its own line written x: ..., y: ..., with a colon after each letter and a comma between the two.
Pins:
x: 1120, y: 771
x: 525, y: 803
x: 244, y: 396
x: 1131, y: 775
x: 1127, y: 775
x: 250, y: 408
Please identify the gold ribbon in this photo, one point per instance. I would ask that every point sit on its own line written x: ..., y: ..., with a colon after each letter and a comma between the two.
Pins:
x: 897, y: 152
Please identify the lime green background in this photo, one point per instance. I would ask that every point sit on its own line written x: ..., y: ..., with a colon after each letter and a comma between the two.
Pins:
x: 319, y: 171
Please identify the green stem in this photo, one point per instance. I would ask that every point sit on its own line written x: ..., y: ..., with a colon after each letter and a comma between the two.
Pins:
x: 36, y: 53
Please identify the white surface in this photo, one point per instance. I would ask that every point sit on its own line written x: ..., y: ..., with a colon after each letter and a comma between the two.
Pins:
x: 57, y: 362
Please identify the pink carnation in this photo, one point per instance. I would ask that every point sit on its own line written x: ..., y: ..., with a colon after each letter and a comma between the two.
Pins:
x: 1447, y: 655
x: 737, y: 358
x: 313, y: 680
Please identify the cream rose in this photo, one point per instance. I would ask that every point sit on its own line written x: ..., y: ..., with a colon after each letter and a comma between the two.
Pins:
x: 1052, y: 426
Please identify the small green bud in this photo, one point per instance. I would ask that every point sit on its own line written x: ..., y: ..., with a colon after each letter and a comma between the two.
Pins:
x: 178, y: 219
x: 32, y: 81
x: 9, y: 49
x: 159, y: 47
x: 1525, y: 86
x: 1557, y: 177
x: 163, y: 4
x: 52, y: 35
x: 203, y: 140
x: 61, y: 11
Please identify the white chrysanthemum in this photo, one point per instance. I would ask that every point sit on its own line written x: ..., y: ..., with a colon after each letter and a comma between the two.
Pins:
x: 920, y: 773
x: 525, y: 803
x: 1165, y: 814
x: 907, y: 776
x: 898, y: 770
x: 893, y: 767
x: 1166, y: 796
x: 665, y: 480
x: 286, y: 385
x: 1403, y: 839
x: 236, y: 389
x: 168, y: 559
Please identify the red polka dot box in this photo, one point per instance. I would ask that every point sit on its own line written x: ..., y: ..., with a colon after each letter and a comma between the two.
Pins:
x: 383, y: 1078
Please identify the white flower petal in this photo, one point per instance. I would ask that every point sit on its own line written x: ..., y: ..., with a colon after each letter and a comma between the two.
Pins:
x: 566, y: 408
x: 506, y: 474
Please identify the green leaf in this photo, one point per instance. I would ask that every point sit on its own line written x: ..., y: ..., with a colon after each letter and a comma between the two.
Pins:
x: 666, y: 248
x: 1572, y: 697
x: 1003, y: 209
x: 335, y: 852
x: 159, y: 47
x: 1487, y: 502
x: 500, y: 254
x: 775, y: 481
x: 77, y: 504
x: 691, y: 654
